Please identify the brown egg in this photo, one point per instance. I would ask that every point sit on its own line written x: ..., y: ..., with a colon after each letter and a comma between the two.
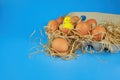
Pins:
x: 92, y: 23
x: 75, y: 19
x: 83, y: 28
x: 97, y: 33
x: 52, y: 26
x: 60, y: 20
x: 60, y: 45
x: 65, y: 30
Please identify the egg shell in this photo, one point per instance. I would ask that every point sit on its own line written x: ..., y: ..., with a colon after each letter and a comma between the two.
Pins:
x: 65, y: 30
x: 60, y: 45
x: 75, y: 19
x: 60, y: 20
x: 92, y: 23
x: 96, y: 32
x: 83, y: 28
x: 52, y: 26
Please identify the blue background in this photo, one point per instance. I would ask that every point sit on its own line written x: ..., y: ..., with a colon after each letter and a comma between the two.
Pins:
x: 18, y: 18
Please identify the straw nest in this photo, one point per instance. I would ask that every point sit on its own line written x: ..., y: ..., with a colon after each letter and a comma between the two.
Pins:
x: 81, y: 42
x: 76, y: 42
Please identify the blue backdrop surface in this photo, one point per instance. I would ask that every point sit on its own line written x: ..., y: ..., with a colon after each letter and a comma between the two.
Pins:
x: 18, y: 18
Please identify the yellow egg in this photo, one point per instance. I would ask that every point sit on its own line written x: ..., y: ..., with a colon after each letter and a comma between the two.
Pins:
x: 97, y: 33
x: 60, y: 45
x: 83, y: 28
x: 52, y: 26
x: 60, y: 20
x: 75, y: 19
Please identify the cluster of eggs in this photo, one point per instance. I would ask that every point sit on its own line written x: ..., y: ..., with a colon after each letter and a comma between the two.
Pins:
x: 83, y: 27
